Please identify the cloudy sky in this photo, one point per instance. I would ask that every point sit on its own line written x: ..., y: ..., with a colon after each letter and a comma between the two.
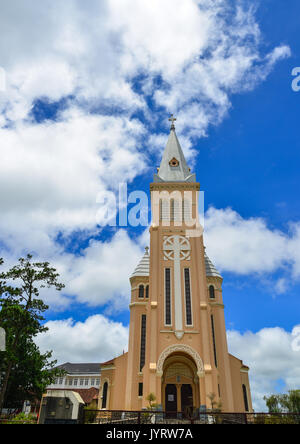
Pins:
x: 86, y: 89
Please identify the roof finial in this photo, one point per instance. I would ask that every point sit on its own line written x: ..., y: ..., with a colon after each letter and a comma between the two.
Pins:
x: 172, y: 119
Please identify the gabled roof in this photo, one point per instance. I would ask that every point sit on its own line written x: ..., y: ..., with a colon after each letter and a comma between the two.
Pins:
x: 143, y: 266
x: 173, y: 167
x: 87, y: 395
x: 82, y: 369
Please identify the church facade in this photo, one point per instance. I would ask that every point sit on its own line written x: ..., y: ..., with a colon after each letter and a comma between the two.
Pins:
x: 177, y: 339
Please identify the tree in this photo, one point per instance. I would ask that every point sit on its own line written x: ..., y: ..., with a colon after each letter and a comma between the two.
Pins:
x: 273, y: 403
x: 215, y: 406
x: 151, y: 398
x: 24, y: 370
x: 286, y: 403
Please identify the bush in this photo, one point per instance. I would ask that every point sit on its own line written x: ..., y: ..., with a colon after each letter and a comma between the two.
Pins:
x: 89, y: 415
x: 21, y: 418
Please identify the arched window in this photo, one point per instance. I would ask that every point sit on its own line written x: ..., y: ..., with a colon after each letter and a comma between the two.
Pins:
x: 172, y: 210
x: 104, y: 395
x: 164, y: 209
x: 141, y: 291
x: 212, y: 292
x: 176, y: 209
x: 147, y: 291
x: 245, y: 398
x: 186, y: 211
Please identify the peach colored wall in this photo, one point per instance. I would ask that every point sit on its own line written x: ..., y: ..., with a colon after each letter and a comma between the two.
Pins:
x: 238, y: 379
x: 127, y: 375
x: 116, y: 378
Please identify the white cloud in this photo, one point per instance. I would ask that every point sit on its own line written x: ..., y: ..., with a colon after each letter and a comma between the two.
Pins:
x: 101, y: 274
x: 52, y: 174
x: 246, y: 246
x: 202, y: 51
x: 97, y: 339
x: 273, y: 357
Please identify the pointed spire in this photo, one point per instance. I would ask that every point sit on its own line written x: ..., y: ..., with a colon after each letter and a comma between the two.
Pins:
x: 173, y: 167
x: 210, y: 268
x: 143, y: 266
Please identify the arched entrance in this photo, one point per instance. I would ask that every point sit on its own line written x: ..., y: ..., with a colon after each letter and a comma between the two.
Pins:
x: 180, y: 384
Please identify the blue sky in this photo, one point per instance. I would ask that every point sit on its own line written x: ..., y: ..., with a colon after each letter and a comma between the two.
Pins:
x: 87, y: 97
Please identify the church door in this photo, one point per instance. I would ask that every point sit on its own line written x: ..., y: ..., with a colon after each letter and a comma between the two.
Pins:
x: 171, y: 399
x: 186, y: 397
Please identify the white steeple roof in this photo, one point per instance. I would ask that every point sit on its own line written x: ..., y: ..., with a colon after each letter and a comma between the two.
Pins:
x: 173, y: 167
x: 143, y: 267
x: 210, y: 268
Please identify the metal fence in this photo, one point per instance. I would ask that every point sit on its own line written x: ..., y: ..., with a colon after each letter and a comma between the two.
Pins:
x: 195, y: 417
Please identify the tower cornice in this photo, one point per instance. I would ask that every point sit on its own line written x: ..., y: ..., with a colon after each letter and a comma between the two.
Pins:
x: 189, y: 186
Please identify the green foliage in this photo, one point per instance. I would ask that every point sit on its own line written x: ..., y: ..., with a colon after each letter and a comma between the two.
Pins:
x: 90, y: 415
x: 273, y: 403
x: 151, y: 398
x: 26, y: 372
x: 21, y: 418
x: 286, y: 403
x: 215, y: 406
x: 276, y: 419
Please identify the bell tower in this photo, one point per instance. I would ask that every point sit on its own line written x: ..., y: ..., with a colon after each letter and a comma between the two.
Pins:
x: 177, y: 337
x: 183, y: 319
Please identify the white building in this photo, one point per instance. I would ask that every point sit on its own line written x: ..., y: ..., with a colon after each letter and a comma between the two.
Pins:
x: 78, y: 376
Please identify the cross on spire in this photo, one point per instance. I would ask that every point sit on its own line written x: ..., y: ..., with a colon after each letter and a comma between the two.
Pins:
x: 172, y: 119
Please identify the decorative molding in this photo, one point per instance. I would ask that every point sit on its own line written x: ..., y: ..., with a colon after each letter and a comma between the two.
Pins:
x: 175, y: 186
x: 216, y: 304
x: 143, y: 304
x: 176, y: 245
x: 104, y: 369
x: 174, y: 162
x: 207, y: 368
x: 177, y: 248
x: 183, y: 349
x: 187, y: 332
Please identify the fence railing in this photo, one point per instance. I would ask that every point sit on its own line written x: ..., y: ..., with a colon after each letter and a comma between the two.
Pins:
x: 196, y: 417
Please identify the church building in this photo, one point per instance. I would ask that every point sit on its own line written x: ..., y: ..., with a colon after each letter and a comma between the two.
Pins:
x: 177, y: 338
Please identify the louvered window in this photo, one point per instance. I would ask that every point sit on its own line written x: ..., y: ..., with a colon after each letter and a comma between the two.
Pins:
x: 168, y: 320
x: 188, y: 302
x: 143, y: 342
x: 214, y: 340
